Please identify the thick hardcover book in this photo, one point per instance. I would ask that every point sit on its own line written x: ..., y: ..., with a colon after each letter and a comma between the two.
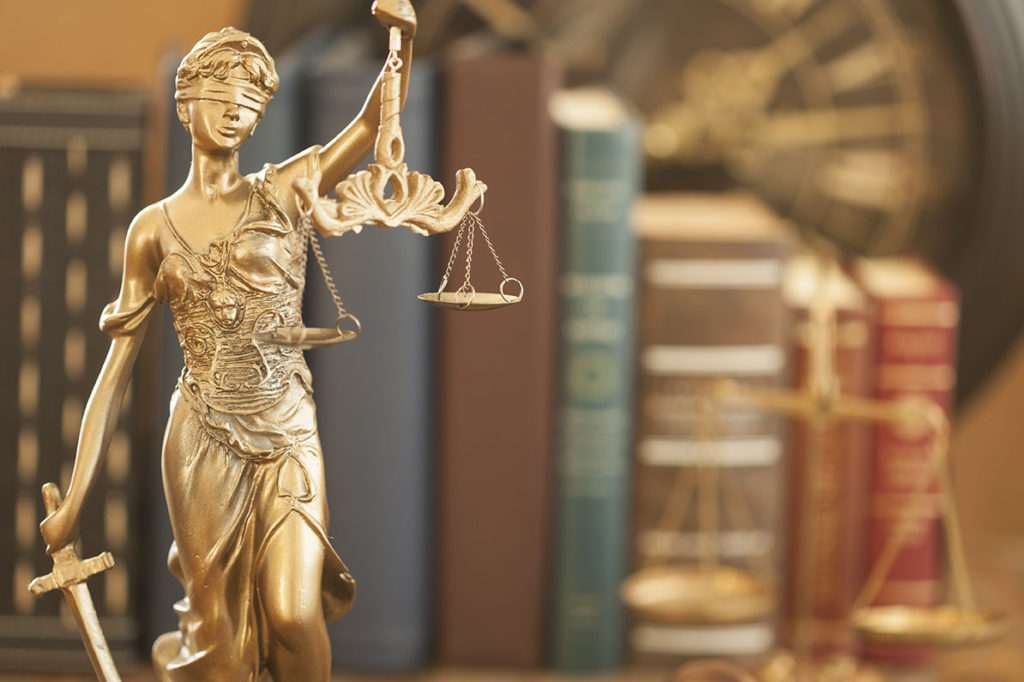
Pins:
x: 496, y: 372
x: 830, y: 462
x: 711, y: 275
x: 70, y: 183
x: 600, y: 177
x: 918, y: 315
x: 374, y: 395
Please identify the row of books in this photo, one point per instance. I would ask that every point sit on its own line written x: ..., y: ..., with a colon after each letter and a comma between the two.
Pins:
x: 493, y: 476
x: 808, y: 504
x: 71, y: 163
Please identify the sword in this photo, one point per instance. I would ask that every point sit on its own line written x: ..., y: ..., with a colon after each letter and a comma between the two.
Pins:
x: 69, y: 575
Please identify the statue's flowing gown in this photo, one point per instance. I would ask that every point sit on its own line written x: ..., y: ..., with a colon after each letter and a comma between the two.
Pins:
x: 241, y: 451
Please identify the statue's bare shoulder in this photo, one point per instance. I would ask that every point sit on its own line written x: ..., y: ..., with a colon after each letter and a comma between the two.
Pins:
x: 145, y: 244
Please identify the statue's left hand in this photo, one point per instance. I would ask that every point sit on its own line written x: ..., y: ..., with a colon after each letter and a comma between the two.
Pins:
x: 398, y: 13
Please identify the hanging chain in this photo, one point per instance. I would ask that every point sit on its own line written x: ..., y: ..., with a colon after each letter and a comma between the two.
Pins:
x: 307, y: 226
x: 453, y: 256
x: 474, y: 221
x: 490, y: 245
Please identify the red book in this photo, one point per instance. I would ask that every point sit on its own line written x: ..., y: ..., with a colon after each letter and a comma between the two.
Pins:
x: 829, y: 471
x: 918, y: 312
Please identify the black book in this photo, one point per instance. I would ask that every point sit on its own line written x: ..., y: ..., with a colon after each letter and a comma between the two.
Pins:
x: 374, y: 395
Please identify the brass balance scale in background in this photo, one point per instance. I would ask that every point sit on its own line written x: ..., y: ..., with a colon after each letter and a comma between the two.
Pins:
x: 712, y: 593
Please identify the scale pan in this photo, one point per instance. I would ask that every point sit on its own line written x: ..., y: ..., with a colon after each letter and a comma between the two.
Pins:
x: 691, y: 594
x: 454, y: 300
x: 941, y: 626
x: 305, y: 337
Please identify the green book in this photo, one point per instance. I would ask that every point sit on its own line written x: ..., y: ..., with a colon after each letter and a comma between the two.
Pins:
x: 600, y: 178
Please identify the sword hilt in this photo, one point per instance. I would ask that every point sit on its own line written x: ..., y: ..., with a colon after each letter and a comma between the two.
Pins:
x: 68, y: 569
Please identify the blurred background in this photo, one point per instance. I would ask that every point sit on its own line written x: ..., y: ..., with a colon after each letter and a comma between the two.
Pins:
x: 661, y: 175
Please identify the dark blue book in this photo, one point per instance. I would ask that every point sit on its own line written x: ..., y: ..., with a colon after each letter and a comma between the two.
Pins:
x: 374, y: 394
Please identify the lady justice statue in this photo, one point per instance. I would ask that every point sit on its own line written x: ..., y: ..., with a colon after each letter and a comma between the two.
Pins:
x: 242, y: 462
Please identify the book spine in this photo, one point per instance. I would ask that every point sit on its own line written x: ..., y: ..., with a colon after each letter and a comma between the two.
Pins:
x: 827, y: 512
x: 496, y: 369
x: 708, y: 311
x: 600, y: 180
x: 916, y: 351
x: 374, y: 395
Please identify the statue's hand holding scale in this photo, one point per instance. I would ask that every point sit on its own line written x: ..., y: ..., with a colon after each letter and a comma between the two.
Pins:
x: 242, y: 465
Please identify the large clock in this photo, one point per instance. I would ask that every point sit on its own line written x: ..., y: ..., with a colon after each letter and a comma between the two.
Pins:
x: 883, y: 126
x: 856, y: 118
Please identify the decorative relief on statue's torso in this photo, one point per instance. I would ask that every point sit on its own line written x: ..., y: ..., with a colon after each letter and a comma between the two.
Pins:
x: 246, y: 281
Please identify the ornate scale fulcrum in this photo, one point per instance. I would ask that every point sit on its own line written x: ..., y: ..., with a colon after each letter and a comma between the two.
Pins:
x: 414, y: 201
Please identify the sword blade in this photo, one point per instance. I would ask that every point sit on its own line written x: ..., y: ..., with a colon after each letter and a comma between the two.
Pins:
x: 82, y: 608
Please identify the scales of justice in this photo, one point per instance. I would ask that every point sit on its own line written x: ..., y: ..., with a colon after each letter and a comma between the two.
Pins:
x: 242, y: 465
x: 711, y: 592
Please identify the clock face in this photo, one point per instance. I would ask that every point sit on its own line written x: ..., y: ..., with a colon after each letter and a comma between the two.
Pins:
x: 854, y: 118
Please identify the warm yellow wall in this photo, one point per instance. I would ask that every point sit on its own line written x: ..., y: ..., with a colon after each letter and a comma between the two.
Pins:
x: 106, y: 41
x: 102, y: 40
x: 988, y: 452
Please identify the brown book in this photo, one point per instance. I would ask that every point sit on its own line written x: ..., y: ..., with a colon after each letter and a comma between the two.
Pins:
x: 918, y: 317
x: 711, y: 278
x: 829, y: 469
x: 496, y: 371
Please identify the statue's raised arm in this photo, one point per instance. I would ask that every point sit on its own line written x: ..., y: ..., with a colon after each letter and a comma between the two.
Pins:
x: 342, y: 154
x: 387, y: 194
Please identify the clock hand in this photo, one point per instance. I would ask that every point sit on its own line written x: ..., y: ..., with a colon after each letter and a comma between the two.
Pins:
x: 726, y: 93
x: 814, y: 126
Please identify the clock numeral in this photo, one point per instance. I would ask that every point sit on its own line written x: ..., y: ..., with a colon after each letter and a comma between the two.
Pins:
x: 794, y: 9
x: 878, y: 178
x: 858, y: 68
x: 819, y: 126
x: 803, y: 40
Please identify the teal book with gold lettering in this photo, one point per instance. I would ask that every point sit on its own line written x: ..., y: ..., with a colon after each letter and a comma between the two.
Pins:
x: 600, y: 178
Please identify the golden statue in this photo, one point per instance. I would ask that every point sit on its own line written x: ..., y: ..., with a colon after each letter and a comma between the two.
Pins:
x: 242, y: 462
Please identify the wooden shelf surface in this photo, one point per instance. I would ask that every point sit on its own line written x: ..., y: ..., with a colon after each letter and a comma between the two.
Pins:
x: 439, y: 675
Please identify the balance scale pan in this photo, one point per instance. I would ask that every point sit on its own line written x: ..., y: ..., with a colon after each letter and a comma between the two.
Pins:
x: 692, y: 594
x: 305, y: 337
x: 453, y: 300
x: 940, y: 626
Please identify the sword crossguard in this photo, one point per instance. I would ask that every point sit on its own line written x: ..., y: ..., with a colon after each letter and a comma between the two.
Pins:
x: 69, y: 574
x: 68, y: 569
